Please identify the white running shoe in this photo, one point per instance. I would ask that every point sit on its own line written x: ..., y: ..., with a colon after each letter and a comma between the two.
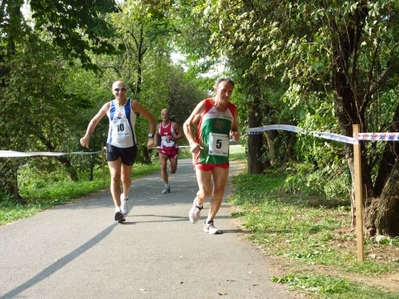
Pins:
x: 195, y: 212
x: 211, y: 229
x: 166, y: 190
x: 124, y: 205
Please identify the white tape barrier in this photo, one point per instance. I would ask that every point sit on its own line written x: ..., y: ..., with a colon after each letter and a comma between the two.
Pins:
x: 15, y: 154
x: 259, y: 130
x: 392, y: 136
x: 335, y: 137
x: 180, y: 146
x: 325, y: 135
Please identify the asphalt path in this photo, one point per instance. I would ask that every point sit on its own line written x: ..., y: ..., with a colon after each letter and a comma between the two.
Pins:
x: 77, y: 250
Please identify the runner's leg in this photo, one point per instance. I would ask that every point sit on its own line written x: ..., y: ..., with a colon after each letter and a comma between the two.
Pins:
x: 115, y: 172
x: 220, y: 176
x: 126, y: 179
x: 173, y: 165
x: 204, y: 185
x: 163, y: 160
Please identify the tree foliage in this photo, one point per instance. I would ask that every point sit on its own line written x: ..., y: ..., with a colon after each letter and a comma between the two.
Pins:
x: 78, y: 28
x: 325, y: 66
x: 46, y: 78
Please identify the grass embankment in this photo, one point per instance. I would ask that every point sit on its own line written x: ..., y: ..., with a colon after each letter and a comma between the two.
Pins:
x: 45, y: 193
x: 309, y: 241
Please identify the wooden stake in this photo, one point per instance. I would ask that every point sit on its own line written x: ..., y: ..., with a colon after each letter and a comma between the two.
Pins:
x: 102, y: 162
x: 358, y: 196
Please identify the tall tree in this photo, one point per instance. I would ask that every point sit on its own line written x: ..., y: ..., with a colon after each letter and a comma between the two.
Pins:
x: 67, y: 30
x: 339, y: 52
x: 336, y: 53
x: 356, y: 59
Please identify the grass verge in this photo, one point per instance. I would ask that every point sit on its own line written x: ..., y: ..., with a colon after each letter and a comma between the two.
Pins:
x: 310, y: 240
x: 39, y: 197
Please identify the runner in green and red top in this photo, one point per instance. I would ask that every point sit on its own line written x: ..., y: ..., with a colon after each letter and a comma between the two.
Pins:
x: 215, y: 122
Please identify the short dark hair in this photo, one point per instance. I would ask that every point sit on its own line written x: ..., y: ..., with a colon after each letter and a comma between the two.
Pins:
x: 228, y: 80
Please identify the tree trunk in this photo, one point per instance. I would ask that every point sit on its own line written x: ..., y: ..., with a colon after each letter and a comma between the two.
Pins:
x: 256, y: 147
x: 9, y: 180
x: 385, y: 211
x: 270, y: 137
x: 71, y: 170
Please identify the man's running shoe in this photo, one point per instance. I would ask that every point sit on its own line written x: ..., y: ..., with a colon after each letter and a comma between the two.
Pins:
x: 124, y: 205
x: 195, y: 212
x: 119, y: 216
x: 166, y: 190
x: 210, y: 228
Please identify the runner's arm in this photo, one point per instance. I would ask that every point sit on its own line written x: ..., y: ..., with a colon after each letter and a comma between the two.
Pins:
x: 84, y: 141
x: 191, y: 121
x: 138, y: 108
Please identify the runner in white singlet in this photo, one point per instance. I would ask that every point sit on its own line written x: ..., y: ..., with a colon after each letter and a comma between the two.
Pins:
x: 121, y: 142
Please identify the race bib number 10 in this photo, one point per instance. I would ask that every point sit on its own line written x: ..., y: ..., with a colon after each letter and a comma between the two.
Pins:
x: 218, y: 144
x: 121, y: 128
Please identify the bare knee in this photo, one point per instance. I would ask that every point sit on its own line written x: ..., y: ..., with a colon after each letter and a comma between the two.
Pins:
x: 218, y: 193
x: 116, y: 178
x: 202, y: 195
x: 127, y: 180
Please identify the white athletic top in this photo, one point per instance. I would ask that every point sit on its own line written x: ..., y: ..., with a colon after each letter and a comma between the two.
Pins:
x: 164, y: 131
x: 122, y: 121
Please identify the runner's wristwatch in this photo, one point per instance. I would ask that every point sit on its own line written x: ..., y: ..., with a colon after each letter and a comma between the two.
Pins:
x: 150, y: 135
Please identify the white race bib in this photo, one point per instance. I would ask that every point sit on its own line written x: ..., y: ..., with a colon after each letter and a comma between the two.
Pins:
x: 218, y: 144
x: 120, y: 128
x: 167, y: 143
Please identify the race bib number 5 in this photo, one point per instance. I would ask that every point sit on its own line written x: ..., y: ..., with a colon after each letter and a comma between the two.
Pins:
x: 218, y: 144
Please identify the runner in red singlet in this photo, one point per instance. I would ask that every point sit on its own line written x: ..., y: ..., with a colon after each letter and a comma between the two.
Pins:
x: 167, y: 135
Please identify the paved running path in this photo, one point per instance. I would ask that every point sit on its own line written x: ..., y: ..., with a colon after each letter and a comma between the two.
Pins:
x: 78, y: 251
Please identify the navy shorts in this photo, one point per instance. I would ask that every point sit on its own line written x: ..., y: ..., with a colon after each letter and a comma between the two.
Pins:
x: 128, y: 154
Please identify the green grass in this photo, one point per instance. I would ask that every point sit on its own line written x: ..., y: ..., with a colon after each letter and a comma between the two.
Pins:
x: 237, y: 153
x: 46, y: 194
x: 329, y: 287
x: 311, y: 233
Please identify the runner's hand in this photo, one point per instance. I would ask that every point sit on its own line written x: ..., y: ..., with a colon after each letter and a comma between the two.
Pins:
x: 195, y: 147
x: 235, y: 135
x: 151, y: 143
x: 84, y: 141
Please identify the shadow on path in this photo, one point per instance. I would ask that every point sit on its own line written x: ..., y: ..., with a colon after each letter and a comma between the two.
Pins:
x: 60, y: 263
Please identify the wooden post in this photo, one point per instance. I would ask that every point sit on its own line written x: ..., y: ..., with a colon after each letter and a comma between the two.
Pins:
x: 358, y: 195
x: 102, y: 162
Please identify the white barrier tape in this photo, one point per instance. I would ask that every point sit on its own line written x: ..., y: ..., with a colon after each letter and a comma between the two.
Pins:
x: 335, y: 137
x: 393, y: 136
x: 180, y: 146
x: 325, y: 135
x: 259, y: 130
x: 15, y: 154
